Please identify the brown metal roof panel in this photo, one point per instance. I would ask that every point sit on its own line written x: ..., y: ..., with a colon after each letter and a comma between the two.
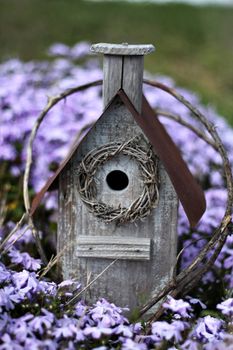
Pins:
x: 188, y: 190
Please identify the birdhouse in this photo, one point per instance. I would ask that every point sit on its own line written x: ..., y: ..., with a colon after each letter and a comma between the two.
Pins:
x: 117, y: 202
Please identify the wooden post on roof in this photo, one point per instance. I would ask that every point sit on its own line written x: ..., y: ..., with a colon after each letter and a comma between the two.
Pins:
x: 123, y: 69
x: 145, y: 249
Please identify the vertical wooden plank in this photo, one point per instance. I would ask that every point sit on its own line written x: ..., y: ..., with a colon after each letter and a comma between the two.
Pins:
x: 112, y: 66
x: 123, y: 72
x: 132, y: 79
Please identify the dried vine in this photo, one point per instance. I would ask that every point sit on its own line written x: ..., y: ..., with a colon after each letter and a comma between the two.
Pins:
x: 190, y: 276
x: 177, y: 118
x: 51, y: 103
x: 141, y: 206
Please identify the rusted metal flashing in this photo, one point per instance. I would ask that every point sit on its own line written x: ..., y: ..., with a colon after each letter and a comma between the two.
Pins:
x: 188, y: 190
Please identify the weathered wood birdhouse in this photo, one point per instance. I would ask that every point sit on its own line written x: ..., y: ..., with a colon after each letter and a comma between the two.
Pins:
x: 116, y: 200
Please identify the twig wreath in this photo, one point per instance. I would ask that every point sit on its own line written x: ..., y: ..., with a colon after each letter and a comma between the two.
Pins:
x: 148, y: 165
x: 182, y: 283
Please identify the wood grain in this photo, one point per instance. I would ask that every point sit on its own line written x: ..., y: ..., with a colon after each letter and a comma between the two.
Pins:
x: 124, y: 248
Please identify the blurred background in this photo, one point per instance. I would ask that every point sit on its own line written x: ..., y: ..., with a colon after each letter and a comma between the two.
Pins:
x: 194, y: 42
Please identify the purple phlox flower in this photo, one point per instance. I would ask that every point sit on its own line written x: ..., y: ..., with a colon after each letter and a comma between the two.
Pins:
x: 80, y: 309
x: 5, y: 275
x: 51, y: 203
x: 107, y: 313
x: 9, y: 153
x: 49, y: 288
x: 129, y: 344
x: 24, y: 259
x: 190, y: 344
x: 125, y: 330
x: 59, y: 49
x: 229, y: 279
x: 27, y: 284
x: 196, y: 301
x: 15, y: 170
x: 225, y: 344
x: 216, y: 179
x: 67, y: 331
x: 21, y: 237
x: 80, y: 50
x: 228, y: 341
x: 97, y: 331
x: 178, y: 306
x: 67, y: 328
x: 208, y: 328
x: 9, y: 297
x: 136, y: 327
x: 36, y: 344
x: 71, y: 345
x: 101, y: 348
x: 79, y: 335
x: 5, y: 300
x: 228, y: 263
x: 41, y: 323
x: 5, y: 319
x: 192, y: 247
x: 1, y: 233
x: 9, y: 344
x: 68, y: 287
x: 25, y: 279
x: 216, y: 201
x: 19, y: 328
x: 208, y: 278
x: 163, y: 330
x: 226, y: 307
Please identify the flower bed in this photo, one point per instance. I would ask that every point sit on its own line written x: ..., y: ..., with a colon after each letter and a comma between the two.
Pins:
x: 34, y: 310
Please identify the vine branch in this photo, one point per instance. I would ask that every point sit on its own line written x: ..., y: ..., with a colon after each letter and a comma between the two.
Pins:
x: 52, y: 101
x: 189, y: 277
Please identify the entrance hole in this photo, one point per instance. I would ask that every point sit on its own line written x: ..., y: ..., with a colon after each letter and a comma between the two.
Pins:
x: 117, y: 180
